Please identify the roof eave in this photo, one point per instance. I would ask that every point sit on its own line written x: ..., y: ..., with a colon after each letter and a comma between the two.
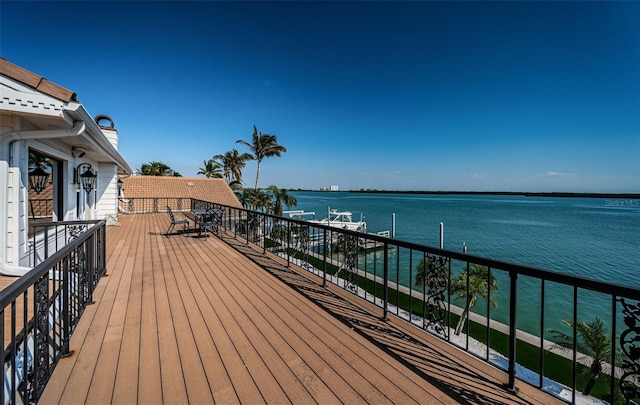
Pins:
x: 94, y: 133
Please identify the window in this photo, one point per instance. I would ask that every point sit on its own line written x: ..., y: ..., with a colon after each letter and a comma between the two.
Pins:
x: 46, y: 205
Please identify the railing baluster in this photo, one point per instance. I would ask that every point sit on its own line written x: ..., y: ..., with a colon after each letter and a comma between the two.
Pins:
x: 386, y: 280
x: 513, y: 278
x: 44, y: 338
x: 574, y: 370
x: 612, y: 380
x: 324, y: 258
x: 541, y: 360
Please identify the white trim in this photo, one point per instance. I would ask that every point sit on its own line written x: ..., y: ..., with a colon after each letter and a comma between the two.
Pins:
x: 30, y: 103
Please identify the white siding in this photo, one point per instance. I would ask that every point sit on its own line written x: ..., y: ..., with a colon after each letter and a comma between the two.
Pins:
x: 107, y: 191
x: 13, y: 216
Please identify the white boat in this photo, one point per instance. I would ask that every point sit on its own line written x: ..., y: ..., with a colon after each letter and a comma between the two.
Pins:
x: 342, y: 220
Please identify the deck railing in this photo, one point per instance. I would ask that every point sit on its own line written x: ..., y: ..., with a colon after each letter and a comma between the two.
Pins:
x: 41, y: 309
x: 147, y: 205
x: 523, y: 334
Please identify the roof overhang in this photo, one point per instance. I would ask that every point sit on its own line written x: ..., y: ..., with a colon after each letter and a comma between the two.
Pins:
x: 43, y: 112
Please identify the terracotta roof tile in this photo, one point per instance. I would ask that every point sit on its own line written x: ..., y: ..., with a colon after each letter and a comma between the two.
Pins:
x: 212, y: 190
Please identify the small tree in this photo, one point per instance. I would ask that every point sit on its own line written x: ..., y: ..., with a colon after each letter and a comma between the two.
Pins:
x: 157, y: 169
x: 281, y: 197
x: 263, y: 146
x: 592, y: 340
x: 480, y: 283
x: 211, y: 169
x: 256, y: 200
x: 233, y: 162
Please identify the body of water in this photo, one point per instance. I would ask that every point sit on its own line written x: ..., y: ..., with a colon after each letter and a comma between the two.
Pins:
x: 594, y: 238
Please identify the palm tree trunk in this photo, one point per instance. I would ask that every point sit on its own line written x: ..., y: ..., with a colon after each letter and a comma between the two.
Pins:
x: 257, y: 174
x: 596, y: 368
x: 462, y: 320
x: 590, y: 384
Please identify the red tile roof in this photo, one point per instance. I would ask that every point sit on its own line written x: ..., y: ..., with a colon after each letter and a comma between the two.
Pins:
x: 212, y: 190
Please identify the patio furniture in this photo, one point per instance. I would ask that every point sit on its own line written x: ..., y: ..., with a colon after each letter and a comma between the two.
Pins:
x: 207, y: 220
x: 174, y: 222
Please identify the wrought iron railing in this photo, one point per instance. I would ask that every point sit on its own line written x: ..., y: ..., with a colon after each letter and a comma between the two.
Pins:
x: 41, y: 309
x: 536, y: 333
x: 47, y: 238
x: 145, y: 205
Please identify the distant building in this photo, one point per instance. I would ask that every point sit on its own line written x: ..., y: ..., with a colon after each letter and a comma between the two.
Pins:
x: 334, y: 187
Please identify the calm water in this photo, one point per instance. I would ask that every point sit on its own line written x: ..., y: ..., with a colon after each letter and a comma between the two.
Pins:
x: 594, y: 238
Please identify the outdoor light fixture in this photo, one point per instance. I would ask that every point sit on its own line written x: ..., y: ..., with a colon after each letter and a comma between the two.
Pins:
x: 38, y: 179
x: 88, y: 177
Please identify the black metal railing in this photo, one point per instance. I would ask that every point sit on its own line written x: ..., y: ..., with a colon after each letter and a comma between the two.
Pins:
x: 47, y: 238
x: 41, y: 309
x: 530, y: 322
x: 145, y: 205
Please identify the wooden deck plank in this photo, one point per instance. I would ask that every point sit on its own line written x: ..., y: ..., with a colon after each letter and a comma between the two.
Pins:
x: 103, y: 381
x: 197, y: 386
x: 172, y: 379
x: 238, y: 329
x: 130, y: 348
x: 345, y: 344
x: 198, y: 320
x: 150, y: 387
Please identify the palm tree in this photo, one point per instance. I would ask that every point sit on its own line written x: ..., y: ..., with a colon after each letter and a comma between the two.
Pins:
x: 431, y: 272
x: 233, y: 162
x: 480, y: 283
x: 592, y: 341
x: 281, y: 197
x: 262, y: 146
x: 256, y: 200
x: 211, y: 169
x: 154, y: 168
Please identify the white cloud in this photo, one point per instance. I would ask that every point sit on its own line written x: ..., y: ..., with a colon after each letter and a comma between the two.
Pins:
x: 554, y: 174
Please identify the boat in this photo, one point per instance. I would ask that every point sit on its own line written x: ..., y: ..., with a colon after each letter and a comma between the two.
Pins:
x: 342, y: 220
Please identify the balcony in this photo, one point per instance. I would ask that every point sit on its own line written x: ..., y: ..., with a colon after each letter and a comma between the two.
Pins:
x: 231, y: 318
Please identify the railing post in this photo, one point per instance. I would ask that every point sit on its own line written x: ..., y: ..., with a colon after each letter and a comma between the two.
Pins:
x: 264, y: 233
x: 513, y: 277
x: 46, y: 246
x: 288, y: 243
x: 103, y: 251
x: 324, y: 257
x: 91, y: 266
x: 386, y: 281
x: 66, y: 329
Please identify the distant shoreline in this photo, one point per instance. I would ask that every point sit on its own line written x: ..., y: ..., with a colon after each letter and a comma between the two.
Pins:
x: 512, y: 193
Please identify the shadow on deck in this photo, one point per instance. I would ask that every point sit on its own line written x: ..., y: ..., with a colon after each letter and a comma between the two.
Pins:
x: 202, y: 320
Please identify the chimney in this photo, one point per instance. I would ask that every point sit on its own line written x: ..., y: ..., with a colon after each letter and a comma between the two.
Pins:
x: 108, y: 131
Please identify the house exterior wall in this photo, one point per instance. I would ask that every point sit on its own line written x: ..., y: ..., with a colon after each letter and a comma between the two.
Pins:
x: 107, y: 191
x: 37, y: 115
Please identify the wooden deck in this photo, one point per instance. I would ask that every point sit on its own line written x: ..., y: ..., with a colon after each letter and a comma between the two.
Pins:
x: 186, y: 320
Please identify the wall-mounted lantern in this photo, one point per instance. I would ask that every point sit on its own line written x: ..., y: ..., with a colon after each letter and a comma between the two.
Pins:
x: 88, y: 177
x: 38, y: 179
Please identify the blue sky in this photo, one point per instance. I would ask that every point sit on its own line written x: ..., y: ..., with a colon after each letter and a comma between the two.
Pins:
x: 478, y: 96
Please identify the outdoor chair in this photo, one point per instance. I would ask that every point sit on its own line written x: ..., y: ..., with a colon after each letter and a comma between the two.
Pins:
x: 174, y: 222
x: 210, y: 221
